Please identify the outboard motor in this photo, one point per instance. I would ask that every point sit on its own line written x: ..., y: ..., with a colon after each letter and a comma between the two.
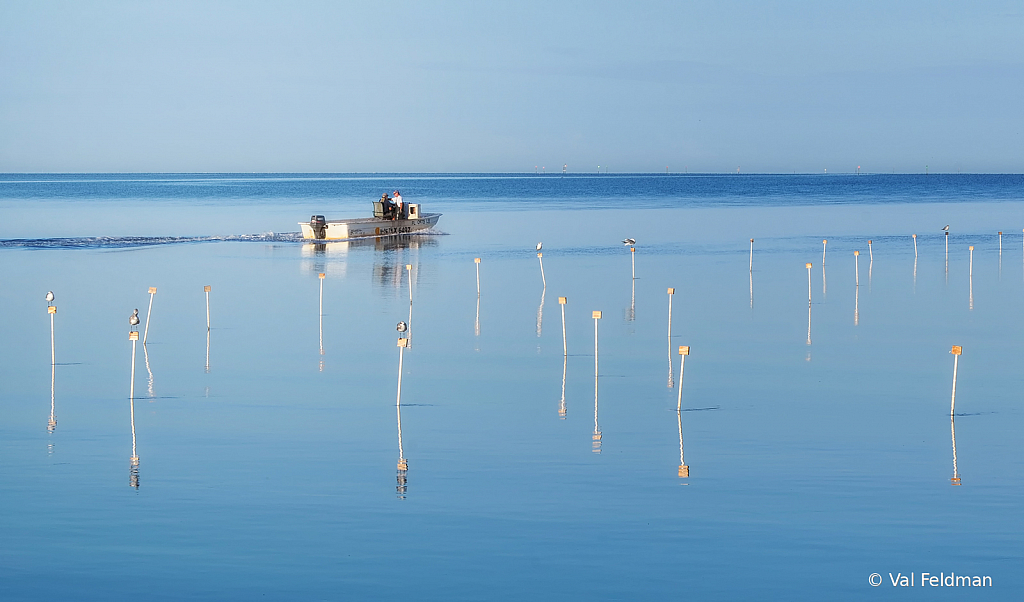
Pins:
x: 319, y: 226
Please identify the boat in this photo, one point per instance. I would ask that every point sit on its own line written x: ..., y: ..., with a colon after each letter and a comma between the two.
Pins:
x: 386, y: 221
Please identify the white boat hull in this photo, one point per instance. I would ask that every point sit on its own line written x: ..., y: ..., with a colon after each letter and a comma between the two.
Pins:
x: 369, y: 227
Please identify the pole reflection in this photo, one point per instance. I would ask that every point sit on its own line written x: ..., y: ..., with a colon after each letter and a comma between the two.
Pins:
x: 561, y: 406
x: 684, y: 470
x: 955, y: 479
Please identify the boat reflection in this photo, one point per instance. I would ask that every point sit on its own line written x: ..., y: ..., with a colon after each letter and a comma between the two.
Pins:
x: 391, y: 255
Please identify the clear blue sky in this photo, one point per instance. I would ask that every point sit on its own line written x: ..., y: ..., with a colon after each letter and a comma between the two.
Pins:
x: 475, y: 86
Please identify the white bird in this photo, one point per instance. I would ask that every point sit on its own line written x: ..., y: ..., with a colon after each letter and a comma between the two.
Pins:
x: 539, y: 245
x: 134, y: 318
x: 946, y: 229
x: 49, y: 297
x: 629, y: 241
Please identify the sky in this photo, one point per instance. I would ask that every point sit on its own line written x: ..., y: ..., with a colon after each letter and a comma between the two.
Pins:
x: 759, y: 87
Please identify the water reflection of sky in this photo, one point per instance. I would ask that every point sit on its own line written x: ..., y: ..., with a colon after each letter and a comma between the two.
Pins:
x: 805, y: 464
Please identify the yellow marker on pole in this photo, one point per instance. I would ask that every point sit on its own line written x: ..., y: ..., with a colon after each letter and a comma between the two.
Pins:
x: 684, y: 350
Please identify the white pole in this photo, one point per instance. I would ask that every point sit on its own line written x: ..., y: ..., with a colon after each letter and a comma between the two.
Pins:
x: 751, y: 254
x: 152, y: 293
x: 824, y: 243
x: 915, y: 245
x: 131, y: 401
x: 808, y: 283
x: 956, y: 355
x: 671, y: 292
x: 947, y: 251
x: 971, y: 269
x: 632, y: 259
x: 871, y: 254
x: 540, y: 258
x: 856, y: 264
x: 207, y: 289
x: 684, y: 350
x: 565, y: 346
x: 477, y: 262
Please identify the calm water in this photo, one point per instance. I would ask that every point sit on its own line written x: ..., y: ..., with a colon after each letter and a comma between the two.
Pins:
x: 817, y: 440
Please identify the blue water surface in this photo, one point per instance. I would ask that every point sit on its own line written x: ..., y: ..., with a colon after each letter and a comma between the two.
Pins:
x: 816, y: 438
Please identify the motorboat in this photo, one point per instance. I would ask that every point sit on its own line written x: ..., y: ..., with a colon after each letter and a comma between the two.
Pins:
x: 387, y: 220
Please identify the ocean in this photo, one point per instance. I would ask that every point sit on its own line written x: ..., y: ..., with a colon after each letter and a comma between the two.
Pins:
x: 813, y: 446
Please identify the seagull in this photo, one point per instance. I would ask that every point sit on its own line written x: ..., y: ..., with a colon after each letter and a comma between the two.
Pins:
x: 134, y: 318
x: 629, y: 241
x: 49, y: 297
x: 946, y: 229
x: 539, y: 245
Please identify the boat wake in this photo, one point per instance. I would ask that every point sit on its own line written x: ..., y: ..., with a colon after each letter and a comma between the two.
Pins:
x: 123, y: 242
x: 127, y: 242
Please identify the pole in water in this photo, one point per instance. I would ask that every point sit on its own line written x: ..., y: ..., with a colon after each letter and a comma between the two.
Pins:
x: 957, y: 350
x: 971, y: 280
x: 1000, y: 244
x: 914, y: 236
x: 808, y: 266
x: 133, y: 336
x: 684, y: 350
x: 206, y: 289
x: 671, y: 292
x: 751, y: 254
x: 52, y: 310
x: 145, y: 335
x: 476, y: 260
x: 947, y: 251
x: 540, y: 258
x: 971, y: 272
x: 824, y: 243
x: 856, y: 264
x: 562, y: 301
x: 871, y: 255
x: 632, y: 259
x: 597, y: 430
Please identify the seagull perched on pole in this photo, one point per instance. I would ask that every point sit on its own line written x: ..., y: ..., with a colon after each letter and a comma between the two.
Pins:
x: 946, y: 228
x: 49, y: 297
x: 134, y: 318
x: 629, y: 241
x: 539, y: 245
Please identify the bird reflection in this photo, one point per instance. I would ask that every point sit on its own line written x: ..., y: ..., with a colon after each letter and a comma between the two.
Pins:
x: 684, y: 470
x: 561, y: 405
x: 955, y: 479
x: 133, y: 471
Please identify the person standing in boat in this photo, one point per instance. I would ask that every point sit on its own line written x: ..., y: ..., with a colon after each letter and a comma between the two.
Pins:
x: 398, y: 202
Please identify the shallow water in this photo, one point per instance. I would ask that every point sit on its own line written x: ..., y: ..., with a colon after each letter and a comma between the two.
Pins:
x: 817, y: 440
